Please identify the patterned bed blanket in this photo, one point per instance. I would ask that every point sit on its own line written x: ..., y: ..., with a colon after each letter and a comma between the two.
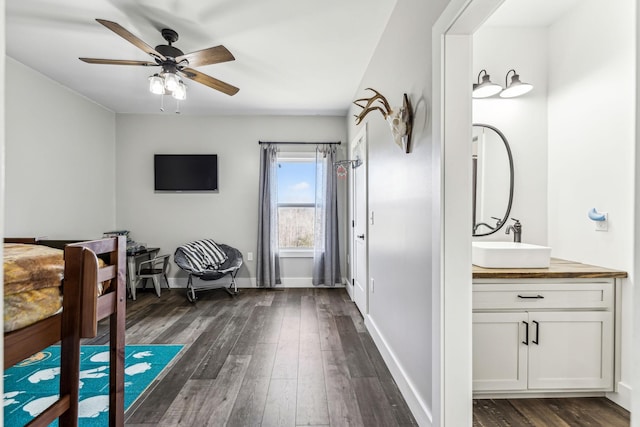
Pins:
x: 32, y: 283
x: 32, y: 279
x: 29, y: 267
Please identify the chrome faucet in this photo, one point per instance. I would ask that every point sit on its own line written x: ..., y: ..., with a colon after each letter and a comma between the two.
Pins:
x: 517, y: 230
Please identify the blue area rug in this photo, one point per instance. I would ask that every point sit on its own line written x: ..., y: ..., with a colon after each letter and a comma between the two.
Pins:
x: 33, y: 384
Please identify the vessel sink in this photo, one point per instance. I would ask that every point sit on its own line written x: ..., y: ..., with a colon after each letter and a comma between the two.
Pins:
x: 510, y: 255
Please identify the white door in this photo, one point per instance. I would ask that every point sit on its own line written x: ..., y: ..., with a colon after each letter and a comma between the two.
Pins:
x: 359, y: 256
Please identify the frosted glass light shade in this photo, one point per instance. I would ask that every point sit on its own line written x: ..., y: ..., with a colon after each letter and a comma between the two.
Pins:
x: 180, y: 92
x: 171, y: 81
x: 156, y: 85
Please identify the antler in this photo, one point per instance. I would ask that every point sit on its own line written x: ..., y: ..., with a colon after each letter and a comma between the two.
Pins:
x: 385, y: 109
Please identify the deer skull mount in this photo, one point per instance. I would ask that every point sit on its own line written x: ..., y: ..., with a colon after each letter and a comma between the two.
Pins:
x: 400, y: 119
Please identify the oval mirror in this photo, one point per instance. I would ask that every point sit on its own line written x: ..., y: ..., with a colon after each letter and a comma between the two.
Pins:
x: 492, y: 179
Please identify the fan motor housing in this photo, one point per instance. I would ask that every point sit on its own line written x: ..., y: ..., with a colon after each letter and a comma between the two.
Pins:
x: 169, y: 51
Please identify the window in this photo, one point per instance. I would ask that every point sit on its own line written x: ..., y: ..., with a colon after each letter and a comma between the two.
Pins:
x: 296, y: 201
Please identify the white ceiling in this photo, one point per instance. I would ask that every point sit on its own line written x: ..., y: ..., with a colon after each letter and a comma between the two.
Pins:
x: 292, y: 56
x: 530, y: 13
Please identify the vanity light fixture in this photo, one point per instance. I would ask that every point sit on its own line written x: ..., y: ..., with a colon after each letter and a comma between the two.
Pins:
x: 485, y: 89
x: 516, y: 87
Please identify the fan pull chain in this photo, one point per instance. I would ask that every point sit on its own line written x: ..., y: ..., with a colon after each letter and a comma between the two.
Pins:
x: 162, y: 103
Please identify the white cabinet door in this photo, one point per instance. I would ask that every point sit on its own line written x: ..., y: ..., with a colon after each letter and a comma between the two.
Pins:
x: 570, y: 350
x: 499, y: 354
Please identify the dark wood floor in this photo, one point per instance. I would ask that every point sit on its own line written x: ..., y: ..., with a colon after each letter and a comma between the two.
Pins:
x: 264, y: 358
x: 291, y: 358
x: 569, y: 412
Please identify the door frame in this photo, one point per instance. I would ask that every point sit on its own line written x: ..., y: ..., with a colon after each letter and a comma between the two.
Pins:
x: 362, y: 134
x: 452, y: 78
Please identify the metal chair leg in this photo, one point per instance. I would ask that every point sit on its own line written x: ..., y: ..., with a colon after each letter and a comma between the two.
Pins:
x: 156, y: 284
x: 233, y: 285
x: 191, y: 293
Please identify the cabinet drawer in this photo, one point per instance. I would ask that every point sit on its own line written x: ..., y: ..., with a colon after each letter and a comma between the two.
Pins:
x: 506, y: 296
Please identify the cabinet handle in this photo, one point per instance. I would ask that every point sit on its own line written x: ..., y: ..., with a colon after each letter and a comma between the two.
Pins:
x: 530, y: 297
x: 537, y: 340
x: 526, y: 333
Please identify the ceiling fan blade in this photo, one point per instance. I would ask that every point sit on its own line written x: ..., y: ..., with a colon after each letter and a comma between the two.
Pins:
x: 131, y: 38
x: 206, y: 80
x: 212, y: 55
x: 118, y: 62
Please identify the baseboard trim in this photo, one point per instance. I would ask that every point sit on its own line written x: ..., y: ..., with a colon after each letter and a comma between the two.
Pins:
x: 537, y: 395
x: 622, y: 397
x: 348, y: 286
x: 418, y: 407
x: 250, y: 282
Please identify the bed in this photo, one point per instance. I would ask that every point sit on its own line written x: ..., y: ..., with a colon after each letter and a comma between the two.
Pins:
x: 82, y: 308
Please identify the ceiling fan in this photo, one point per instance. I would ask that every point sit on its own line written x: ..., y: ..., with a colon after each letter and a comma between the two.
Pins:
x: 171, y: 59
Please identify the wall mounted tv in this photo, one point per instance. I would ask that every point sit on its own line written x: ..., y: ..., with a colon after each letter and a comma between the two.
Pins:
x: 186, y: 172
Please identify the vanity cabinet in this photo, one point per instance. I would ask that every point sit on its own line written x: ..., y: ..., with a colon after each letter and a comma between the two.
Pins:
x: 538, y: 336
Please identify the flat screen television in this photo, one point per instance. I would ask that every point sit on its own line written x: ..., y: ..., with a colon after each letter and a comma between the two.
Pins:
x: 186, y: 172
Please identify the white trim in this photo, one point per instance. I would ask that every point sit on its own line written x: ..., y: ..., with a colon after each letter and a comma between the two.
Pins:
x: 295, y: 253
x: 419, y: 408
x: 539, y: 395
x: 348, y: 286
x: 623, y: 396
x: 250, y: 282
x: 296, y: 156
x: 634, y: 347
x: 451, y: 230
x: 296, y: 282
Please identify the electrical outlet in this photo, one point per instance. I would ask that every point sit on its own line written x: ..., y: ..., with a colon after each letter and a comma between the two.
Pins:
x: 249, y: 256
x: 603, y: 225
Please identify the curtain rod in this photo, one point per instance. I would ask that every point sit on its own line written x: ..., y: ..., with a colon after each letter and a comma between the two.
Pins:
x: 300, y: 143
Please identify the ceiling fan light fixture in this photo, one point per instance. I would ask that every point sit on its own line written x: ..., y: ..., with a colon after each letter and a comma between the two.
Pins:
x: 180, y: 92
x: 156, y: 85
x: 171, y: 81
x: 172, y: 61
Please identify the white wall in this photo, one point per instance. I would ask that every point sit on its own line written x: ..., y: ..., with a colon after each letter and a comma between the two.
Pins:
x: 400, y: 247
x: 592, y: 143
x: 522, y: 120
x: 60, y: 160
x: 230, y: 216
x: 62, y: 173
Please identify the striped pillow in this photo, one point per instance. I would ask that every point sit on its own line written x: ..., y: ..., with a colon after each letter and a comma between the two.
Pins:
x: 203, y: 255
